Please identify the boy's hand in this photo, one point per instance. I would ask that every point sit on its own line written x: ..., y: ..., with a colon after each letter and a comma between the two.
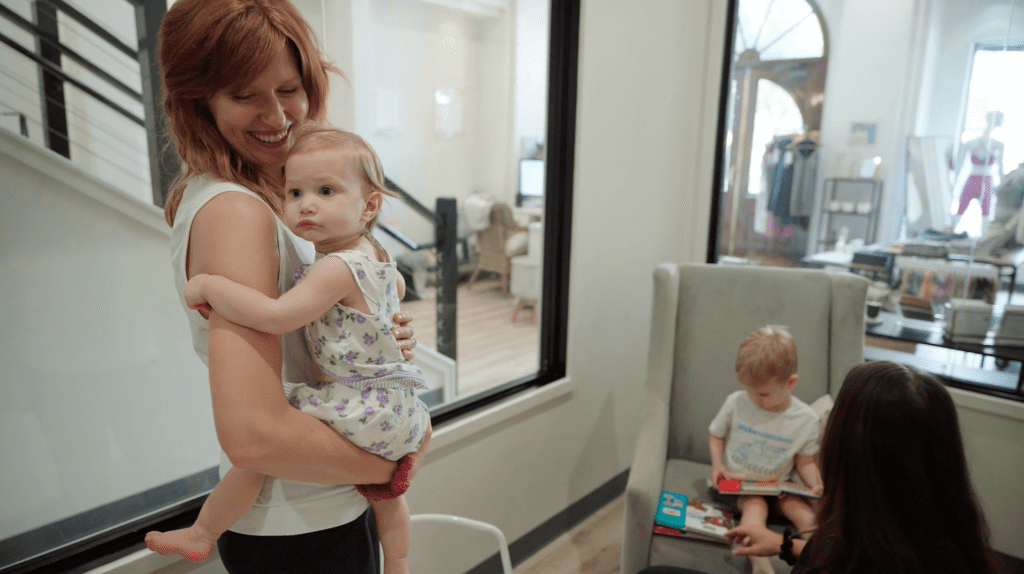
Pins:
x: 719, y: 473
x: 194, y: 293
x: 818, y: 489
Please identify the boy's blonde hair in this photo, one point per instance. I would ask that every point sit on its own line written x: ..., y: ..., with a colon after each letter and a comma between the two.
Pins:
x: 767, y: 354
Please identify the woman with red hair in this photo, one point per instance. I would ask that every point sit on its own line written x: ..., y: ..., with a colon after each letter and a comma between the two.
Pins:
x: 239, y: 78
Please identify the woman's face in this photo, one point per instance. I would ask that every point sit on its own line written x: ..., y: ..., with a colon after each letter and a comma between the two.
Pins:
x: 258, y: 119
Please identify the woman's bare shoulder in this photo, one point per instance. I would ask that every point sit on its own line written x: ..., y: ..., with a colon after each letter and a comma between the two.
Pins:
x: 235, y: 235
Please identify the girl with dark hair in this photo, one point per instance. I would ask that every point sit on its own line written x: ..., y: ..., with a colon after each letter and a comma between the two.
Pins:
x: 898, y: 497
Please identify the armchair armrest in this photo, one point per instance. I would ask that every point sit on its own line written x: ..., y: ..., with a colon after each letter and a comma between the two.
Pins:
x: 644, y: 485
x: 647, y: 472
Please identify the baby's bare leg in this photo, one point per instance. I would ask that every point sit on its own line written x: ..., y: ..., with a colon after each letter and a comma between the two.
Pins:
x: 798, y: 511
x: 754, y: 512
x: 228, y: 502
x: 392, y: 517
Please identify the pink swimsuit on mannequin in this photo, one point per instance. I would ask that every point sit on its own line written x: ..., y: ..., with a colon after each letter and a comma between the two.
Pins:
x: 978, y: 184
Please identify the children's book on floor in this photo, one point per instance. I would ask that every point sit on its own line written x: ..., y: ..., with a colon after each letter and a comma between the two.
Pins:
x: 680, y: 516
x: 763, y: 488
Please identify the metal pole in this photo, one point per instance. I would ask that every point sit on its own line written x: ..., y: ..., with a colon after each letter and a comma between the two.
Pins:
x: 163, y: 160
x: 447, y: 276
x: 55, y: 117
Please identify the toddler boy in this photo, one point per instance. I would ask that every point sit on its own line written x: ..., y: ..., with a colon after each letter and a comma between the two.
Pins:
x: 763, y: 433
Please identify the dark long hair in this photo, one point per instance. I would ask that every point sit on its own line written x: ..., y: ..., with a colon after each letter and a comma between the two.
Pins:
x: 898, y: 497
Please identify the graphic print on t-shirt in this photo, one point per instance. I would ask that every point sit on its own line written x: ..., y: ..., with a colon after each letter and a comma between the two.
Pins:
x: 762, y: 454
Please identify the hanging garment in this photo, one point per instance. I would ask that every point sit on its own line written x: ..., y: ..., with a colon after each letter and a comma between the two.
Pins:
x: 805, y: 179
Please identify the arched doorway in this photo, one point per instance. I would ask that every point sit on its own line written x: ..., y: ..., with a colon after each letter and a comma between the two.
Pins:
x: 780, y: 56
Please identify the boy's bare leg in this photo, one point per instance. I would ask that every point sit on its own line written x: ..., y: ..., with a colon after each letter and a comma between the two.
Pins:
x: 392, y: 517
x: 228, y: 502
x: 754, y: 512
x: 798, y: 511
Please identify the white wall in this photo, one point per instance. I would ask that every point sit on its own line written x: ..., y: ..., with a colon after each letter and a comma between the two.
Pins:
x: 409, y: 49
x: 93, y: 342
x: 873, y: 73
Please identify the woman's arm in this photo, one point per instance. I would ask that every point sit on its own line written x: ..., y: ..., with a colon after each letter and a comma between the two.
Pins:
x: 327, y: 282
x: 234, y: 235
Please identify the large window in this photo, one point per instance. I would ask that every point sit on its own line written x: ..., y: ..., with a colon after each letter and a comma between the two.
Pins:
x: 459, y: 99
x: 991, y: 89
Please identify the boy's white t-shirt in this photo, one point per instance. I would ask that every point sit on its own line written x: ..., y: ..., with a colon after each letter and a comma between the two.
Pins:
x: 763, y: 445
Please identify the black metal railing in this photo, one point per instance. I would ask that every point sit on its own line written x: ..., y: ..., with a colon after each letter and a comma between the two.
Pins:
x: 445, y: 222
x: 49, y: 22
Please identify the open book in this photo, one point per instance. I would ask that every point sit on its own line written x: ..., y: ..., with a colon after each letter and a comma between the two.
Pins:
x: 763, y: 488
x: 698, y: 519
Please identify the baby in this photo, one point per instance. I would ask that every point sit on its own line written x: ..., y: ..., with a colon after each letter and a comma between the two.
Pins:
x: 334, y: 186
x: 763, y: 433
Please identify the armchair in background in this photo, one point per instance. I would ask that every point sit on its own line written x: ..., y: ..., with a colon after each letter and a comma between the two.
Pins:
x: 700, y: 313
x: 527, y: 273
x: 491, y: 242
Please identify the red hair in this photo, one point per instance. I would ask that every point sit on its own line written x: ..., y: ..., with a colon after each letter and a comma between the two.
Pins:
x: 208, y: 45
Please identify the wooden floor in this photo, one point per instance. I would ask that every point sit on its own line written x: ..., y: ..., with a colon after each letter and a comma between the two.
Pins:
x: 592, y: 547
x: 491, y: 347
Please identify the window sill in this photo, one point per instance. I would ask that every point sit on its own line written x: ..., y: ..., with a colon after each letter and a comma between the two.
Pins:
x: 475, y: 424
x: 987, y: 404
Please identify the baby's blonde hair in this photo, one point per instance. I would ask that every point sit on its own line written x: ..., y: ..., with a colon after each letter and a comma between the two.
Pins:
x: 767, y: 354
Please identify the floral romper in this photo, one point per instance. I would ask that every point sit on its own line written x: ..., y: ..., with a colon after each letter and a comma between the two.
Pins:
x: 372, y: 400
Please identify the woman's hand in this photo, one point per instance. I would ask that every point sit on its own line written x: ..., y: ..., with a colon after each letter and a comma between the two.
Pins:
x: 404, y: 334
x: 754, y: 541
x: 194, y: 293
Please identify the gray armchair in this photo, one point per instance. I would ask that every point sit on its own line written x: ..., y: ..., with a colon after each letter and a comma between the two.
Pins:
x: 700, y: 314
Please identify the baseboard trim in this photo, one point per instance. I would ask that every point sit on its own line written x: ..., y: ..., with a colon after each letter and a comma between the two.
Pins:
x: 536, y: 539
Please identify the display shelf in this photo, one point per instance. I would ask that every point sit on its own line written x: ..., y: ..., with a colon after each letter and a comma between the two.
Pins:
x: 850, y: 203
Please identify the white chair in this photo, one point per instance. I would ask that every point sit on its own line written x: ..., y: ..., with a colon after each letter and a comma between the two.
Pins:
x: 527, y: 272
x: 506, y: 559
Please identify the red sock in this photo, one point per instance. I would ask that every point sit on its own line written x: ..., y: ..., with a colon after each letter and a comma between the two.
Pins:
x: 397, y: 487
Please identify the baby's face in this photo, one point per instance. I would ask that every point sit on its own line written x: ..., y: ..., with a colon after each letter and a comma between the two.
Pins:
x: 769, y: 395
x: 325, y: 201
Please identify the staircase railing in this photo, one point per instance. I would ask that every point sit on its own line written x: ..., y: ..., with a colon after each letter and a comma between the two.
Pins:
x: 60, y: 66
x: 445, y: 221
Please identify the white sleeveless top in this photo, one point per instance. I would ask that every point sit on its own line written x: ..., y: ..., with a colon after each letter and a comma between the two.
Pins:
x: 283, y: 507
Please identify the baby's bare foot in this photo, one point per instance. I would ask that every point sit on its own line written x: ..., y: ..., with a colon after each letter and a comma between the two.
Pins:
x: 396, y: 566
x: 190, y: 543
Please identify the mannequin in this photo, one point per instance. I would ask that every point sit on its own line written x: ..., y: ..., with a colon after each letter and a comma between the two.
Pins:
x: 981, y: 168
